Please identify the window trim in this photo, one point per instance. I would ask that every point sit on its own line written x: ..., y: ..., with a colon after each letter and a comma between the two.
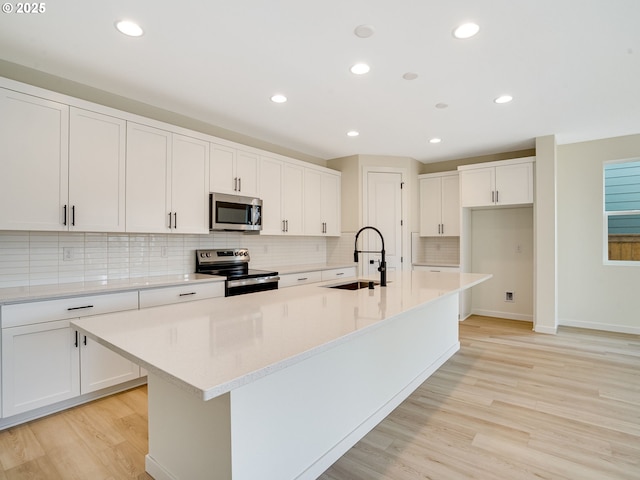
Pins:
x: 605, y: 218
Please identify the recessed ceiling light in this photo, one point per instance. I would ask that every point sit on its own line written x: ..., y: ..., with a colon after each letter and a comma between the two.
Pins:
x: 410, y: 76
x: 503, y: 99
x: 278, y: 98
x: 352, y: 133
x: 466, y: 30
x: 441, y: 105
x: 129, y: 28
x: 435, y: 140
x: 364, y: 31
x: 360, y: 69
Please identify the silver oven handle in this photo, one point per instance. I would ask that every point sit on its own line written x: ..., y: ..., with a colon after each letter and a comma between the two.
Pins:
x: 251, y: 281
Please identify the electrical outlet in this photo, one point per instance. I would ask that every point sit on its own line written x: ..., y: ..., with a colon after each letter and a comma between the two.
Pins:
x: 67, y: 254
x: 509, y: 297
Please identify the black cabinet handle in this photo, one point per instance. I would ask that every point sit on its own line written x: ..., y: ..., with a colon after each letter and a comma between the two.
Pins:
x: 186, y: 294
x: 175, y: 220
x: 85, y: 341
x: 79, y: 308
x: 169, y: 219
x: 76, y: 342
x: 64, y: 216
x: 73, y: 215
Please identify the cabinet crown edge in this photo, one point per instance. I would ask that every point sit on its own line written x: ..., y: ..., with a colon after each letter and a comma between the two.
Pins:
x: 497, y: 163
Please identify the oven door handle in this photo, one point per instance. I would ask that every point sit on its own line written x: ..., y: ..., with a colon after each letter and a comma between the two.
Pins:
x: 251, y: 281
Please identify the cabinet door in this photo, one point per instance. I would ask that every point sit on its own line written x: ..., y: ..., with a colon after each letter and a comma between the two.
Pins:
x: 222, y: 169
x: 247, y: 173
x: 102, y: 368
x: 313, y: 220
x: 293, y: 199
x: 477, y: 187
x: 34, y: 160
x: 514, y: 184
x: 189, y: 185
x: 147, y: 178
x: 271, y: 195
x: 40, y: 366
x: 330, y: 196
x: 450, y: 206
x: 430, y: 207
x: 96, y: 172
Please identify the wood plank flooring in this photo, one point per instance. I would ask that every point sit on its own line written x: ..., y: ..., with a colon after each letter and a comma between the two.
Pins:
x: 511, y: 404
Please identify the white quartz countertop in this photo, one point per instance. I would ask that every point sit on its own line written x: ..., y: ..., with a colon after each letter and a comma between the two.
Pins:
x: 62, y: 290
x: 209, y: 347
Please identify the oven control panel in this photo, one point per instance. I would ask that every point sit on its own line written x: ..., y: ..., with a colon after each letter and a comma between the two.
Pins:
x: 222, y: 255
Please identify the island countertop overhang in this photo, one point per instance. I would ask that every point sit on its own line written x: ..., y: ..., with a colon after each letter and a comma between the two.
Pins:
x: 210, y: 347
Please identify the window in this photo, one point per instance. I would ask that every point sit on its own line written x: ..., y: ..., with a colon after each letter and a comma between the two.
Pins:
x: 622, y: 210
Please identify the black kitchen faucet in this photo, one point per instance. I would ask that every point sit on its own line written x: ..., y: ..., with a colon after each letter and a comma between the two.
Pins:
x: 383, y: 263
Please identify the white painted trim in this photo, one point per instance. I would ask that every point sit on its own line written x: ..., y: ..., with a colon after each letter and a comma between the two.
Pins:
x: 543, y: 329
x: 524, y: 317
x: 606, y: 327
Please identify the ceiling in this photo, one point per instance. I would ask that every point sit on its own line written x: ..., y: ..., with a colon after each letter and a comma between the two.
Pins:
x: 572, y: 67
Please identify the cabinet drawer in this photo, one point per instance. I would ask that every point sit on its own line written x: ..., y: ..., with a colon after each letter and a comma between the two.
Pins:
x: 303, y: 278
x: 65, y: 308
x: 338, y: 273
x: 435, y: 268
x: 184, y: 293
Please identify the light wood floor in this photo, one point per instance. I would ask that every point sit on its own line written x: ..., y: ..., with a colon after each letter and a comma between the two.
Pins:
x: 511, y: 404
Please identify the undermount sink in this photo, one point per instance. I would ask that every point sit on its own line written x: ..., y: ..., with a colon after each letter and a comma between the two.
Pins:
x: 357, y: 285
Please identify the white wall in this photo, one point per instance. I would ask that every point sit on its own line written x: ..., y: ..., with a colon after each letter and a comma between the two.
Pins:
x: 590, y: 293
x: 502, y: 244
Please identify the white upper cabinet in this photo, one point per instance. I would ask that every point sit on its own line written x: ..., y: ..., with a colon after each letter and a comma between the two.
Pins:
x: 34, y: 162
x: 293, y: 199
x: 167, y: 181
x: 233, y: 171
x: 190, y: 185
x: 97, y: 145
x: 281, y: 191
x: 271, y: 194
x: 439, y: 205
x: 148, y: 188
x: 508, y: 182
x: 321, y: 203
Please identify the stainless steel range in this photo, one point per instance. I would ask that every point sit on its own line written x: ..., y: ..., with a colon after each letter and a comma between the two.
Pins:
x: 233, y: 263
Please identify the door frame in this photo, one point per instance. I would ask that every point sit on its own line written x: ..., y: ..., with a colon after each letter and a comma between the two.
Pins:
x: 404, y: 228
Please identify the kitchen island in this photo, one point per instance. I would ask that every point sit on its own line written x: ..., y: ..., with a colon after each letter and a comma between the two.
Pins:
x: 280, y: 384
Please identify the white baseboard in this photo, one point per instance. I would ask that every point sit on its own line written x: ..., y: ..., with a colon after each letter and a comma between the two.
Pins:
x: 524, y: 317
x: 607, y: 327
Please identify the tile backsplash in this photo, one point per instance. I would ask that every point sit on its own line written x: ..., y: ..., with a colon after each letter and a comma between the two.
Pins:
x: 435, y: 250
x: 39, y: 258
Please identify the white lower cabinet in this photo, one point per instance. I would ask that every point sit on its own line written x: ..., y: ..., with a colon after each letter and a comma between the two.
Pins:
x: 313, y: 276
x: 40, y: 366
x: 101, y: 368
x: 293, y: 279
x: 154, y: 297
x: 45, y: 361
x: 338, y: 273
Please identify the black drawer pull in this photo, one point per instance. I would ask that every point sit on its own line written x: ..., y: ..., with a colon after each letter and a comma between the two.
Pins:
x: 303, y: 278
x: 186, y: 294
x: 79, y: 308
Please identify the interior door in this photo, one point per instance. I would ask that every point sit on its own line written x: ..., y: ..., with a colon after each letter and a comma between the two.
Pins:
x: 383, y: 211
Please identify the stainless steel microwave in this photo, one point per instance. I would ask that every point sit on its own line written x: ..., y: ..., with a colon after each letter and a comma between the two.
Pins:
x: 235, y: 212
